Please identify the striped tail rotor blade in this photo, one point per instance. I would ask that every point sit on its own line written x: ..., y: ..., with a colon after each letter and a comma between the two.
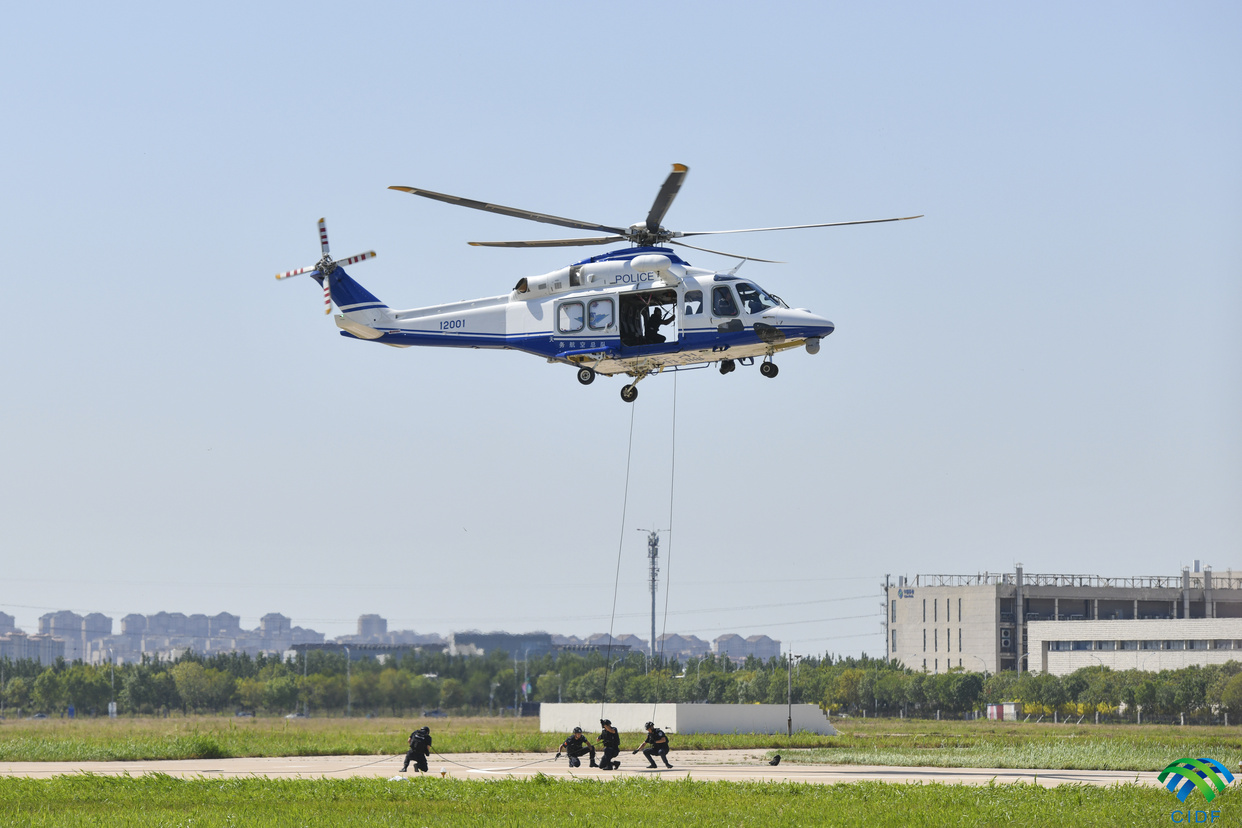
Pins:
x: 299, y: 272
x: 361, y: 257
x: 323, y: 237
x: 327, y: 295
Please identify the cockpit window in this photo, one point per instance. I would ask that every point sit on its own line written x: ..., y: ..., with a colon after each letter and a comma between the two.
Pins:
x: 754, y: 299
x: 722, y: 302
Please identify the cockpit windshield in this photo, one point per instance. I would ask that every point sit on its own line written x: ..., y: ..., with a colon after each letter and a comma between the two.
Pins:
x: 755, y: 299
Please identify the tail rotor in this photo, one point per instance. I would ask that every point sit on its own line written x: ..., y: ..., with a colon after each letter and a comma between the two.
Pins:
x: 322, y: 270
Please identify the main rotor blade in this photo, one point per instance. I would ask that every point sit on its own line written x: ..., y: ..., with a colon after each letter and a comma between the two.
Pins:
x: 297, y: 272
x: 730, y: 255
x: 796, y: 226
x: 323, y: 237
x: 664, y: 199
x: 361, y: 257
x: 510, y: 211
x: 551, y: 242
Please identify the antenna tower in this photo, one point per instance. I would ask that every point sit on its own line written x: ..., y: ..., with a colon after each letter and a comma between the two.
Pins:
x: 653, y: 556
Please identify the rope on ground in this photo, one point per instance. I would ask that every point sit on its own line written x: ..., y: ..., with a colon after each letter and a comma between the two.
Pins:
x: 444, y: 758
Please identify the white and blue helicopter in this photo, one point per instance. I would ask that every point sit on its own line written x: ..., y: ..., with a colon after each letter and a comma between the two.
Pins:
x: 635, y: 311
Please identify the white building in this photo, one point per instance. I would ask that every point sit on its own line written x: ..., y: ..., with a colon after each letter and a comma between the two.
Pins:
x: 983, y: 623
x: 1061, y: 647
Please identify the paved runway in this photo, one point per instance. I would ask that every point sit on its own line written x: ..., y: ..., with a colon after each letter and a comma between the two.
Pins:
x: 728, y: 765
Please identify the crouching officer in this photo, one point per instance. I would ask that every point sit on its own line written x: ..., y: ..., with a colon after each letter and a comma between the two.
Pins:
x: 659, y: 745
x: 577, y: 745
x: 611, y: 740
x: 420, y: 746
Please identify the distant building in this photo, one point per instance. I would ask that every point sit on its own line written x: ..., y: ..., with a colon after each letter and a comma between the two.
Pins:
x: 601, y: 641
x: 738, y: 649
x: 477, y: 643
x: 682, y: 646
x: 133, y: 625
x: 223, y: 625
x: 274, y: 625
x: 41, y: 647
x: 7, y: 623
x: 1058, y: 622
x: 372, y: 627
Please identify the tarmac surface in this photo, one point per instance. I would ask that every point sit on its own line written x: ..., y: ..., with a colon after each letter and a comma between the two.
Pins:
x: 715, y: 765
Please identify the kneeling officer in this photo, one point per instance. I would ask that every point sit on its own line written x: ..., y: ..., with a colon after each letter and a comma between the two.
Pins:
x: 420, y: 746
x: 611, y: 740
x: 659, y: 745
x: 577, y: 745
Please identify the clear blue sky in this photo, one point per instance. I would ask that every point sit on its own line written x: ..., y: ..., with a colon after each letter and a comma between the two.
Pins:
x: 1046, y: 369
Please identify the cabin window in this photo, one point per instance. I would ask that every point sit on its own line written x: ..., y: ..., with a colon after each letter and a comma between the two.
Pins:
x: 694, y: 302
x: 723, y: 303
x: 600, y: 314
x: 569, y: 318
x: 754, y: 299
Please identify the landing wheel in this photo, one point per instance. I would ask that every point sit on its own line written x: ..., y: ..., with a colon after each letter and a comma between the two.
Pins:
x: 629, y: 393
x: 769, y: 369
x: 586, y: 376
x: 727, y: 365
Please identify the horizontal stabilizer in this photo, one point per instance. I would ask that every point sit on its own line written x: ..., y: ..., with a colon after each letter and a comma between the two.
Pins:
x: 357, y: 328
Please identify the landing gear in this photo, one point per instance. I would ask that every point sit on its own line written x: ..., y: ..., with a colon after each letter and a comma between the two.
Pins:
x: 769, y: 369
x: 586, y: 376
x: 727, y: 366
x: 629, y: 393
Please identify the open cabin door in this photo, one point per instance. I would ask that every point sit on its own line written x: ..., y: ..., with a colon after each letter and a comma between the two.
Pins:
x: 649, y: 319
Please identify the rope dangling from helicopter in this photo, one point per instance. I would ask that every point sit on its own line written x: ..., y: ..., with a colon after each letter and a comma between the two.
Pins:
x: 668, y: 557
x: 625, y: 500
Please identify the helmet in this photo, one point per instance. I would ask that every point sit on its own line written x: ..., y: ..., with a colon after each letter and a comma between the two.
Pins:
x: 649, y: 725
x: 606, y: 722
x: 424, y: 729
x: 577, y: 730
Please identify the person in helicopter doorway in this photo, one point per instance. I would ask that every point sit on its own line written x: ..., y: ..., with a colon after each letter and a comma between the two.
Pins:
x: 653, y: 319
x: 420, y: 746
x: 659, y: 745
x: 611, y: 740
x: 577, y: 745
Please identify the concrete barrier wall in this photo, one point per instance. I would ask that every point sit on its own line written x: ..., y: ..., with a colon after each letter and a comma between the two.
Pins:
x: 685, y: 718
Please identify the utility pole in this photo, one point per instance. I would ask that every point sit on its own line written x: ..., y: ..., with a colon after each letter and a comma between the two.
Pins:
x: 349, y: 687
x: 789, y: 664
x: 653, y: 557
x: 887, y: 616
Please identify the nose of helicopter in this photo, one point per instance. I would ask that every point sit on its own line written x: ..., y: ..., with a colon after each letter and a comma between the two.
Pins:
x: 802, y: 324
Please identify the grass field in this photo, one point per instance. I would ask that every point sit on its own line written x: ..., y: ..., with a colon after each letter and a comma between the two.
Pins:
x: 871, y: 741
x: 162, y: 800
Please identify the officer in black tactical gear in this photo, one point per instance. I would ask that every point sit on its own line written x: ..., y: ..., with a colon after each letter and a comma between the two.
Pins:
x: 420, y: 746
x: 611, y: 740
x: 577, y: 745
x: 659, y: 745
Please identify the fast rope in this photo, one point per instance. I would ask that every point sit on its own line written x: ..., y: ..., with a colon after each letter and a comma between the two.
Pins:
x: 668, y: 558
x: 625, y: 500
x: 444, y: 758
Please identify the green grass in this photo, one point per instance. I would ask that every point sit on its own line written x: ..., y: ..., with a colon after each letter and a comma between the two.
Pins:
x: 162, y: 800
x: 1017, y: 745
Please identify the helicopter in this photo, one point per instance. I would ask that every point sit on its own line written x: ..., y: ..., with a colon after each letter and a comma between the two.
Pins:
x: 635, y: 311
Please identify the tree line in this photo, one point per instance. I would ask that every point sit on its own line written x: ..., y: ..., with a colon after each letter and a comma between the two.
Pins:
x: 321, y: 682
